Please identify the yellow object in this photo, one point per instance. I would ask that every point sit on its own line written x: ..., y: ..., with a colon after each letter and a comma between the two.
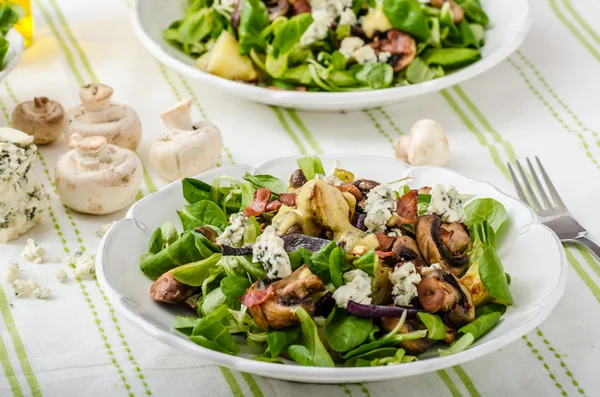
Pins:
x: 224, y: 60
x: 25, y: 24
x: 375, y: 20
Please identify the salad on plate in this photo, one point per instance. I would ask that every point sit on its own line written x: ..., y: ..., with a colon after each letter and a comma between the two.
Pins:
x: 330, y: 45
x: 331, y: 269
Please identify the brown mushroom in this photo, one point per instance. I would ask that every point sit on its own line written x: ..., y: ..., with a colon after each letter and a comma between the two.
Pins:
x: 402, y: 47
x: 413, y: 347
x: 407, y: 250
x: 301, y: 7
x: 457, y: 12
x: 433, y: 249
x: 298, y: 179
x: 207, y: 232
x: 41, y: 118
x: 168, y: 290
x: 365, y: 185
x: 277, y: 8
x: 272, y: 305
x: 458, y: 240
x: 450, y: 335
x: 441, y: 292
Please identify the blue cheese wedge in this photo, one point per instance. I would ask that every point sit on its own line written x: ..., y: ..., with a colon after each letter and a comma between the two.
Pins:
x: 356, y: 289
x: 405, y: 280
x: 233, y: 234
x: 24, y: 200
x: 447, y: 203
x: 381, y: 201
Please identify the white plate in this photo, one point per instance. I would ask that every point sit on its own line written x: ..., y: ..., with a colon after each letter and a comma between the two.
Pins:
x: 509, y: 23
x: 13, y: 56
x: 530, y: 252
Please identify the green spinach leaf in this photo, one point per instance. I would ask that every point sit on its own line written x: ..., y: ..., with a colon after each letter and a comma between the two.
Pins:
x: 162, y: 237
x: 185, y: 324
x: 435, y: 325
x: 490, y: 308
x: 288, y: 34
x: 473, y: 12
x: 367, y: 262
x: 195, y: 190
x: 372, y: 355
x: 380, y: 343
x: 195, y: 273
x: 492, y: 276
x: 278, y: 341
x: 337, y: 261
x: 458, y: 345
x: 254, y: 18
x: 450, y: 58
x: 311, y: 341
x: 345, y: 331
x: 234, y: 286
x: 311, y: 166
x: 407, y: 16
x: 301, y: 355
x: 202, y: 213
x: 486, y: 209
x: 376, y: 75
x: 181, y: 252
x: 418, y: 71
x: 275, y: 185
x: 211, y: 332
x: 481, y: 325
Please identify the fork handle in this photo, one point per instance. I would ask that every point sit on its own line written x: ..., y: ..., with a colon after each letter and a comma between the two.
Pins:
x: 590, y: 245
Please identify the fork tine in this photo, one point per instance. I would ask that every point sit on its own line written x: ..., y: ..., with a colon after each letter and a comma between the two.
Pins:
x: 536, y: 203
x: 557, y: 200
x: 517, y: 184
x: 547, y: 202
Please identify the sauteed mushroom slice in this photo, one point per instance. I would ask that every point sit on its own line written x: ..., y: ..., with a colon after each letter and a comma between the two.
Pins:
x: 459, y: 239
x: 413, y: 347
x: 402, y: 47
x: 441, y: 292
x: 433, y: 249
x: 277, y: 8
x: 298, y: 179
x: 168, y: 290
x: 407, y: 251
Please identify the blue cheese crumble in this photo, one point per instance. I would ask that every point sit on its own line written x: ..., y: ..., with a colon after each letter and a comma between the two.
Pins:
x: 268, y: 250
x: 356, y: 289
x: 233, y: 234
x: 404, y: 279
x: 447, y: 203
x: 324, y: 12
x: 381, y: 201
x: 33, y: 252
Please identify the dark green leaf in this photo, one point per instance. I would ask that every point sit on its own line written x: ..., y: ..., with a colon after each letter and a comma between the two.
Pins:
x: 254, y: 18
x: 311, y: 166
x: 278, y: 341
x: 450, y: 58
x: 288, y: 34
x: 458, y: 346
x: 234, y: 286
x: 418, y: 71
x: 372, y: 355
x: 215, y: 300
x: 468, y: 37
x: 301, y: 355
x: 255, y: 270
x: 162, y: 237
x: 202, y: 213
x: 299, y: 257
x: 197, y: 26
x: 9, y: 16
x: 213, y: 328
x: 380, y: 343
x: 275, y: 185
x: 367, y: 262
x: 481, y: 325
x: 407, y: 16
x: 492, y: 276
x: 185, y: 324
x: 337, y: 261
x: 319, y: 262
x: 486, y: 209
x: 490, y: 308
x: 345, y: 331
x: 376, y: 75
x: 195, y: 190
x: 473, y: 12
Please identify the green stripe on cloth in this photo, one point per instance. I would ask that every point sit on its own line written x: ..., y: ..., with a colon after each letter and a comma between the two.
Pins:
x: 581, y: 21
x: 305, y: 132
x: 95, y: 318
x: 378, y: 127
x: 236, y: 390
x: 574, y: 31
x: 553, y: 112
x: 287, y: 129
x: 254, y: 388
x: 69, y: 33
x: 560, y: 360
x: 583, y: 274
x: 148, y: 181
x: 466, y: 380
x: 61, y: 43
x: 389, y: 119
x: 536, y: 352
x: 9, y: 372
x: 449, y: 383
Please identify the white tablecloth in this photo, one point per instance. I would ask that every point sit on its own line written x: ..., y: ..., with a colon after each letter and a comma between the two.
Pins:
x: 543, y: 100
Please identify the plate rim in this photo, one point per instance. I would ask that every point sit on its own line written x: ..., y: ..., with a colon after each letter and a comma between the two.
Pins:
x: 337, y: 374
x: 293, y: 98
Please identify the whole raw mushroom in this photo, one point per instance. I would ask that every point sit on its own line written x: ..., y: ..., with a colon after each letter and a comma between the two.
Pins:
x: 426, y: 145
x: 96, y: 177
x: 188, y: 148
x: 98, y: 116
x: 41, y: 118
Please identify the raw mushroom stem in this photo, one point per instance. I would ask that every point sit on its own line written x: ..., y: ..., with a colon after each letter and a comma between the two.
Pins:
x: 95, y: 97
x: 179, y: 117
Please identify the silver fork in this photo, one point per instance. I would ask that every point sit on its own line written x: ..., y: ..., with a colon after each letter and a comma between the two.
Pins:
x: 551, y: 209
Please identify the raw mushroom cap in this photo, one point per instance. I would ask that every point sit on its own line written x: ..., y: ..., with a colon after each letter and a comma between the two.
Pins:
x: 41, y: 118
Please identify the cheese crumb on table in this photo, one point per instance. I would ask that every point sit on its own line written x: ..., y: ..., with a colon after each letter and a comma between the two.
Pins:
x: 42, y: 292
x: 33, y: 252
x: 61, y: 275
x: 85, y: 264
x: 104, y: 228
x: 24, y: 288
x: 11, y: 273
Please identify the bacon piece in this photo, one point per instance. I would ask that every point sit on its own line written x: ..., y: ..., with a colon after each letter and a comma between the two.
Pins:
x: 383, y: 255
x: 385, y: 242
x: 350, y: 187
x: 407, y: 208
x: 301, y: 7
x: 445, y: 235
x: 274, y: 205
x: 255, y: 297
x: 259, y: 205
x: 288, y: 199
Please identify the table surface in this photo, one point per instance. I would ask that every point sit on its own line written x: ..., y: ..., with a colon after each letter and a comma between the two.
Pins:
x: 543, y: 100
